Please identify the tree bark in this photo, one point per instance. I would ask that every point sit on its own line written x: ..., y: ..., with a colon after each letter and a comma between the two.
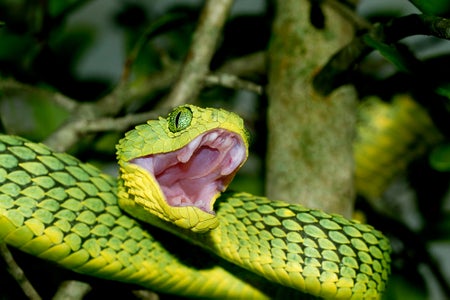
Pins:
x: 310, y: 157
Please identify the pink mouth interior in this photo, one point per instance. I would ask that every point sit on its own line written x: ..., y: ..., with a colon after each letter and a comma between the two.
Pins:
x: 192, y: 175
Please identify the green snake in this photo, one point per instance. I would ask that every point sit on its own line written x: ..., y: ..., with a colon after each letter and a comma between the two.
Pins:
x: 172, y: 174
x: 390, y: 136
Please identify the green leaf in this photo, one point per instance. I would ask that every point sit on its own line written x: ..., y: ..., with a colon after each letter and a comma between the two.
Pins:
x: 440, y: 158
x: 444, y: 90
x: 441, y: 230
x: 401, y: 288
x: 31, y: 115
x: 433, y: 7
x: 56, y: 7
x: 390, y: 52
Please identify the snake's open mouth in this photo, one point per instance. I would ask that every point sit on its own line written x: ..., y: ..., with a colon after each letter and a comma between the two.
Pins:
x: 196, y: 173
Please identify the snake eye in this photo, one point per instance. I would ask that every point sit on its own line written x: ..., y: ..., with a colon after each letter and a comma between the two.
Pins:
x: 179, y: 119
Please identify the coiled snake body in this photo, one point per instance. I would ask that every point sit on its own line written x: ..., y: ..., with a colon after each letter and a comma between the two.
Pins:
x: 172, y: 170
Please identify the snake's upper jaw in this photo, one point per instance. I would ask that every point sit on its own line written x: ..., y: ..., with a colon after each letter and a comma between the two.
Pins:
x: 196, y: 174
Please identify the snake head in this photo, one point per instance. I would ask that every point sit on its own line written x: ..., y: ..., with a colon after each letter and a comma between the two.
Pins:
x: 173, y: 169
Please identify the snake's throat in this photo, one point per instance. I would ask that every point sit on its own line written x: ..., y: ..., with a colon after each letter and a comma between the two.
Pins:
x: 195, y: 174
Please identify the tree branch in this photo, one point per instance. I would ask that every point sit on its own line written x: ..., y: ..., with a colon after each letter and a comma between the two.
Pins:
x: 92, y: 117
x: 335, y: 72
x: 17, y: 273
x: 233, y: 82
x: 203, y: 45
x: 309, y: 146
x: 250, y: 64
x: 118, y: 124
x: 72, y: 290
x: 348, y: 14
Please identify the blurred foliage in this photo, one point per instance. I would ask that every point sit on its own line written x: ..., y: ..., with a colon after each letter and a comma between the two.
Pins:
x: 59, y: 46
x: 440, y: 158
x: 433, y: 7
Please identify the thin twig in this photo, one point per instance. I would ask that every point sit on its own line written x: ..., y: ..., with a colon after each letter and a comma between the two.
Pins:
x: 120, y: 124
x: 85, y: 116
x: 145, y: 295
x: 349, y: 14
x: 254, y: 63
x: 233, y: 82
x: 247, y: 65
x: 109, y: 105
x: 81, y: 126
x: 203, y: 45
x: 68, y: 134
x: 17, y: 273
x: 413, y: 24
x: 72, y: 290
x: 335, y: 72
x: 154, y: 82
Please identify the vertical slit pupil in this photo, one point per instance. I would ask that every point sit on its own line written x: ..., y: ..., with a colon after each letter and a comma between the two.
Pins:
x: 177, y: 119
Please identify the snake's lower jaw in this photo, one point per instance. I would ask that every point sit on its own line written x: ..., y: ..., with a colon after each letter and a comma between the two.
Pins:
x: 141, y: 196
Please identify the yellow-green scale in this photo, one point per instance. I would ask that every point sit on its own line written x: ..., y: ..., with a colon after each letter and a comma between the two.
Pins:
x: 389, y: 137
x: 56, y: 208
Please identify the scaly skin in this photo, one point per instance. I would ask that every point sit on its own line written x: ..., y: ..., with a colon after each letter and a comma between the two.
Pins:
x: 389, y: 137
x: 59, y: 209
